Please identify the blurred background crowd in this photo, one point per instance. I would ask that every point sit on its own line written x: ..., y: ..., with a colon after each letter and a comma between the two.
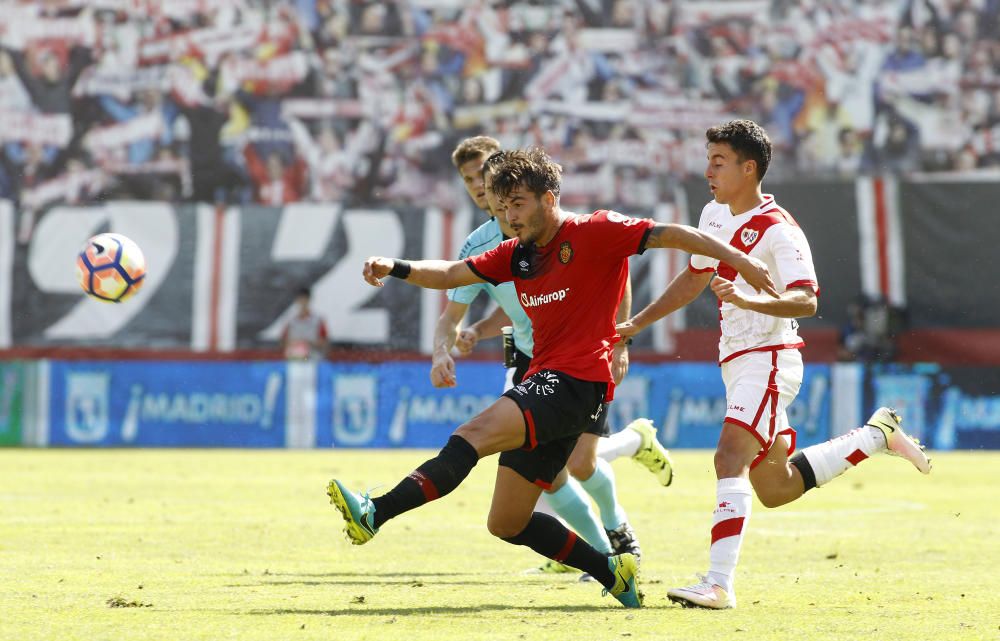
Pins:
x: 278, y: 101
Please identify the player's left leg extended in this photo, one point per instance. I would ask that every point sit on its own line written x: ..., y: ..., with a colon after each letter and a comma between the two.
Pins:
x: 497, y: 428
x: 513, y: 519
x: 598, y: 478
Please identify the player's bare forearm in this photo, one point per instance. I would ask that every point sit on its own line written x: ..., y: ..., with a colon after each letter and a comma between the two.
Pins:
x: 798, y: 302
x: 625, y: 306
x: 682, y: 290
x: 794, y: 303
x: 446, y: 330
x: 489, y: 326
x: 430, y: 274
x: 693, y: 241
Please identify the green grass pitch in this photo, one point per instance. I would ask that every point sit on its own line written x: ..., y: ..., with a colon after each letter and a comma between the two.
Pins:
x: 243, y: 545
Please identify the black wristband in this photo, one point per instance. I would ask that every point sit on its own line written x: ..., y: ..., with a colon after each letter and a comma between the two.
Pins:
x: 627, y: 341
x: 400, y: 269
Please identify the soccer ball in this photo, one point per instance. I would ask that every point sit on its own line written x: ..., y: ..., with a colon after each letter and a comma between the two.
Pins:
x: 110, y: 268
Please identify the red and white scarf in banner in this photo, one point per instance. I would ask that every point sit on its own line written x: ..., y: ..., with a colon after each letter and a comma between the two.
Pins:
x: 211, y: 44
x: 25, y: 24
x: 123, y: 83
x: 113, y: 140
x: 35, y: 128
x: 70, y: 187
x: 321, y: 108
x: 278, y: 71
x: 155, y: 8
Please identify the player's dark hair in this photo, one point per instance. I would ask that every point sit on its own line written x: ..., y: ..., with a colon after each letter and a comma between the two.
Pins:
x: 303, y: 291
x: 473, y: 148
x: 495, y: 159
x: 531, y: 169
x: 748, y: 140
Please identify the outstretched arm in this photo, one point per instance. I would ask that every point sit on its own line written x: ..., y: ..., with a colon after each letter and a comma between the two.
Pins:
x: 797, y: 302
x: 683, y: 289
x: 430, y: 274
x: 694, y: 241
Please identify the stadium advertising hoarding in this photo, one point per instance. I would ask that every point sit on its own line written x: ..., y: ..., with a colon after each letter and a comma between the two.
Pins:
x: 395, y: 405
x: 12, y: 383
x: 274, y: 404
x: 101, y: 403
x: 946, y: 407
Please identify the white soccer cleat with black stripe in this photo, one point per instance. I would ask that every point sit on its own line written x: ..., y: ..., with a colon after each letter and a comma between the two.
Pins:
x: 898, y: 443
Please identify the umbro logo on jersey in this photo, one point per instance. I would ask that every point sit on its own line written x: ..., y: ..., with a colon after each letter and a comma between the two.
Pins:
x: 524, y: 264
x: 749, y: 236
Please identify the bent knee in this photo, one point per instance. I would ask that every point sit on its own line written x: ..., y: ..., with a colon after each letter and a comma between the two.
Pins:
x: 771, y: 500
x: 581, y: 469
x: 504, y: 527
x: 730, y: 464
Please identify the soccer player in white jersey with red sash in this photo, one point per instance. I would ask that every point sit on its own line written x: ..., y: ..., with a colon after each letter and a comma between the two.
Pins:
x: 759, y: 358
x: 570, y: 273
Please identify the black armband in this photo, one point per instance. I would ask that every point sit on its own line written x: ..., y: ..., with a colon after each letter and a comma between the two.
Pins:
x: 400, y: 269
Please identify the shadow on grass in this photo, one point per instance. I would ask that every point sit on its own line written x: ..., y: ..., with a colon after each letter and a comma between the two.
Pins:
x: 464, y: 609
x: 321, y: 575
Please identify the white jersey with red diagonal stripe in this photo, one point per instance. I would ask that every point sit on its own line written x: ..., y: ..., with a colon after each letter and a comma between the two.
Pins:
x: 769, y: 233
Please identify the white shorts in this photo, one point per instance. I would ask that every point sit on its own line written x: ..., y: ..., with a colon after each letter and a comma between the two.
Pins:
x: 759, y: 387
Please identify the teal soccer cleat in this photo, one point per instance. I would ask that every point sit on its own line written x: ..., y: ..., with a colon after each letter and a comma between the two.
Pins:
x: 358, y: 512
x: 625, y: 588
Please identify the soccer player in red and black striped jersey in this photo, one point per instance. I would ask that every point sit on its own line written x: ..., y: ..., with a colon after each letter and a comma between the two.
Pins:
x: 569, y: 272
x: 759, y: 357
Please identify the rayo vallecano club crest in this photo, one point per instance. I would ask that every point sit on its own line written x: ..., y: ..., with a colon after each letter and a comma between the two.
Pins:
x: 565, y: 253
x: 749, y: 236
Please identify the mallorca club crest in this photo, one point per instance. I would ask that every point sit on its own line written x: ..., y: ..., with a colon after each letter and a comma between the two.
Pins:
x: 565, y: 253
x: 749, y: 236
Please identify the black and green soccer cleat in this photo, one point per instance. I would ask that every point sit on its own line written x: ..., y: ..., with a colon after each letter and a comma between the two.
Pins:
x: 626, y: 590
x: 358, y: 512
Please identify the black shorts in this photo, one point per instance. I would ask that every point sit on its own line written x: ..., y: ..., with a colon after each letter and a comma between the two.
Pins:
x: 557, y: 408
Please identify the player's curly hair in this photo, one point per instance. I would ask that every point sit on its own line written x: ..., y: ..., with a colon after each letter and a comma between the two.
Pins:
x: 473, y: 148
x: 532, y: 169
x: 748, y: 140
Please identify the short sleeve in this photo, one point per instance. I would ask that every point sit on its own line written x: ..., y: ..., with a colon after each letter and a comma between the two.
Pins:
x: 617, y: 235
x: 792, y: 257
x: 703, y: 264
x: 465, y: 294
x: 493, y: 266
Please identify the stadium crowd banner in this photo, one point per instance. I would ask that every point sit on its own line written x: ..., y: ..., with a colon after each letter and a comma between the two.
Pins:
x: 946, y: 407
x: 12, y: 393
x: 146, y: 403
x: 221, y: 279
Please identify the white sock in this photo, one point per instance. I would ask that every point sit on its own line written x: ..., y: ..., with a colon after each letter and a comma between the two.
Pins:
x: 621, y: 444
x: 729, y: 521
x: 834, y: 457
